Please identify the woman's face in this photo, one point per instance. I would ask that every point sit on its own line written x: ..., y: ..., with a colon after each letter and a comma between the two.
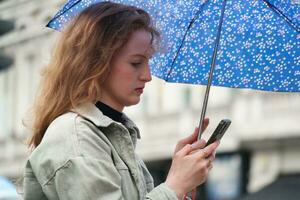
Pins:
x: 129, y: 72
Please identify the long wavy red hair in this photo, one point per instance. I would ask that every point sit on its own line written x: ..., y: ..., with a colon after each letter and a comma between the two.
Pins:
x: 81, y: 60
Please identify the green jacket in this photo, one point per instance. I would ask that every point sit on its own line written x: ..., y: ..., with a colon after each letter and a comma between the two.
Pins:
x: 85, y: 155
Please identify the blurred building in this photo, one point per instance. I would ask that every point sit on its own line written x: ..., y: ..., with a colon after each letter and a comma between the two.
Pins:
x: 262, y: 144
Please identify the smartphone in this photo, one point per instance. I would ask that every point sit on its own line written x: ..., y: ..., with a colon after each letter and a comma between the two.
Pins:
x: 219, y: 131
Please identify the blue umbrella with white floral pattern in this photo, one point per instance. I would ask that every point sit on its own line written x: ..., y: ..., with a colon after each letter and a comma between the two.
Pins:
x: 258, y: 47
x: 231, y: 43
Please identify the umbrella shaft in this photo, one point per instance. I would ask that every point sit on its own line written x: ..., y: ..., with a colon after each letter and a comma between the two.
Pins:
x: 211, y: 72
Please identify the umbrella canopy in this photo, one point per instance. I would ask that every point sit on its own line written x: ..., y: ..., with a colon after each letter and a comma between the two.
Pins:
x: 253, y: 44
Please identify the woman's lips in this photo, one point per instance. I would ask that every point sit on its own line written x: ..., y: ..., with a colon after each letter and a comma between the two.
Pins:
x: 139, y: 90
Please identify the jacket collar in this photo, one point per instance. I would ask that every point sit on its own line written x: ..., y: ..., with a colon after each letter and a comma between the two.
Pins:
x: 90, y: 112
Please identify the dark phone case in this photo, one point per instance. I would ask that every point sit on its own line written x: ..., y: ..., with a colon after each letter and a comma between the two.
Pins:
x: 219, y: 131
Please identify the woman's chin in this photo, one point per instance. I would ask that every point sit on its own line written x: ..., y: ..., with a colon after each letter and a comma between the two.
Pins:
x: 133, y: 101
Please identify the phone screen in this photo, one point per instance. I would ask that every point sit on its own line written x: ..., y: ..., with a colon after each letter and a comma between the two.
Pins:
x: 219, y: 131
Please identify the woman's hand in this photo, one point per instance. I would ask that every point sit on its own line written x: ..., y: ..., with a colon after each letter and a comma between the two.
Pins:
x: 190, y: 167
x: 192, y: 139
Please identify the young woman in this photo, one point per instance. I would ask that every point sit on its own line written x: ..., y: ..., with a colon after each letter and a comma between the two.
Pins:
x: 84, y: 146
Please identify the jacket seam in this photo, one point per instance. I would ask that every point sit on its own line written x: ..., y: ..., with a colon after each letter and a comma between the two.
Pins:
x: 54, y: 173
x: 75, y: 137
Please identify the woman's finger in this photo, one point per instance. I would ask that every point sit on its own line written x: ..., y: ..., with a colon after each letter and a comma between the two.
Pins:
x: 210, y: 160
x: 209, y: 150
x: 205, y: 124
x: 198, y: 144
x: 193, y: 137
x: 185, y: 150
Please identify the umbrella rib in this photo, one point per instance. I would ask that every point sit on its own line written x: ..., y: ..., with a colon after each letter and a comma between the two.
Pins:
x: 62, y: 13
x: 183, y: 39
x: 281, y: 14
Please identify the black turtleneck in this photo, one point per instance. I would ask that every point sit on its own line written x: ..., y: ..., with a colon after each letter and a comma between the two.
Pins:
x: 110, y: 112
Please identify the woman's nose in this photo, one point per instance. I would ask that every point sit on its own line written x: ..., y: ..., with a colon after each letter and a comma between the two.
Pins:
x: 146, y: 74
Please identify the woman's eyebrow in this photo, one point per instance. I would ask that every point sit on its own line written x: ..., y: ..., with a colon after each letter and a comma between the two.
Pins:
x: 139, y: 55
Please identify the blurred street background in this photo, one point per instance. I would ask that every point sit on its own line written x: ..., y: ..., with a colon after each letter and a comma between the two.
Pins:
x: 259, y: 155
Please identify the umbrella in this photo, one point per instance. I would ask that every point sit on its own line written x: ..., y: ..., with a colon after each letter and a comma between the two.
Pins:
x: 230, y: 43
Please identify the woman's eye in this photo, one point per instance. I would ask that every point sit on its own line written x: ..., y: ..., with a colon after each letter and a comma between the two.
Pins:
x: 136, y: 64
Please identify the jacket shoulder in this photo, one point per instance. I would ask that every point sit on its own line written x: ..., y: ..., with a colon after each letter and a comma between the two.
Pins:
x: 68, y: 136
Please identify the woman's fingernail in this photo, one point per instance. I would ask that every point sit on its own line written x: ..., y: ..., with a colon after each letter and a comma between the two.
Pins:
x: 194, y: 145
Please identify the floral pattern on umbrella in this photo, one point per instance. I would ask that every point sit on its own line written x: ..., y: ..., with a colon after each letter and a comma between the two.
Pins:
x: 259, y: 44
